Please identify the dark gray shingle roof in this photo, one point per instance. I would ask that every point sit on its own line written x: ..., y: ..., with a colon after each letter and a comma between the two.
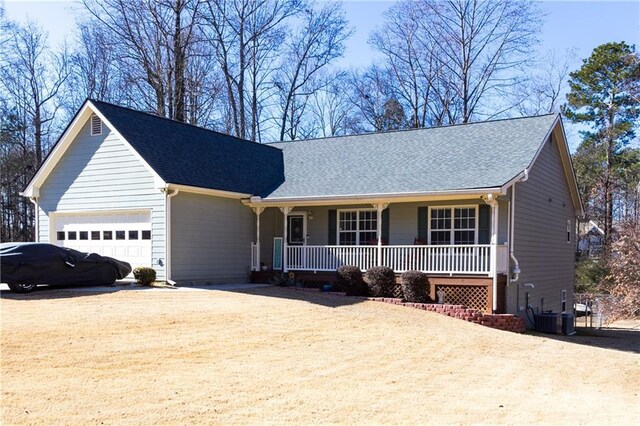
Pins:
x: 188, y: 155
x: 440, y: 159
x: 459, y: 157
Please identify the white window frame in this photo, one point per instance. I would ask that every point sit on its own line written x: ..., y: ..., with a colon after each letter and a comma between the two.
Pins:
x: 91, y: 121
x: 452, y: 230
x: 569, y: 233
x: 358, y: 230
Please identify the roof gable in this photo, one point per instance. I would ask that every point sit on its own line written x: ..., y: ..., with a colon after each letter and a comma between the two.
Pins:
x: 177, y: 153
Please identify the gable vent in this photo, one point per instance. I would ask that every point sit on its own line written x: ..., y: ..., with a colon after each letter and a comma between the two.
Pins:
x: 96, y: 125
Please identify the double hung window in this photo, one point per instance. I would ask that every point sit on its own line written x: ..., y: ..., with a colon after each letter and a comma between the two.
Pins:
x: 357, y: 227
x: 453, y: 225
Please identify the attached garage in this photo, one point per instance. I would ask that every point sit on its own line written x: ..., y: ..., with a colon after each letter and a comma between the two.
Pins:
x: 125, y: 235
x: 108, y: 185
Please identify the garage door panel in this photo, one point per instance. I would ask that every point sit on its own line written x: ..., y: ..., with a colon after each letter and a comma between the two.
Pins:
x: 122, y: 235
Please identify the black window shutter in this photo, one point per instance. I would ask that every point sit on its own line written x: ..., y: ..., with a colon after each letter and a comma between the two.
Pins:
x: 385, y: 225
x: 333, y: 219
x: 423, y: 213
x: 484, y: 224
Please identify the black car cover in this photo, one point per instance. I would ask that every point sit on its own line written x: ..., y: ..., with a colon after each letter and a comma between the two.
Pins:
x: 40, y: 263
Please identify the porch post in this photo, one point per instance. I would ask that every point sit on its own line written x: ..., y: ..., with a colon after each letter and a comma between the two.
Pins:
x: 258, y: 211
x: 493, y: 202
x: 285, y: 211
x: 379, y: 208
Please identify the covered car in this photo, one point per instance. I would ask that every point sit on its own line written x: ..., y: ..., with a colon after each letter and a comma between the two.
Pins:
x: 25, y: 265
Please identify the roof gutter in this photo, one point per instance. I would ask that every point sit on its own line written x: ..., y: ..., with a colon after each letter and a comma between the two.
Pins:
x: 207, y: 191
x: 366, y: 197
x: 523, y: 176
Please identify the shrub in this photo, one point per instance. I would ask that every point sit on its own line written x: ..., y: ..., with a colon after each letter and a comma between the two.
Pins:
x: 350, y: 281
x: 381, y: 281
x: 415, y: 287
x: 623, y: 281
x: 144, y: 275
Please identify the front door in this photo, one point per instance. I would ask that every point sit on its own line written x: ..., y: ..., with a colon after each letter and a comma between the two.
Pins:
x: 297, y: 230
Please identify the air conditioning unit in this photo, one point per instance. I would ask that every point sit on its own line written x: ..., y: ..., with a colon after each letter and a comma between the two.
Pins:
x: 567, y: 324
x: 548, y: 322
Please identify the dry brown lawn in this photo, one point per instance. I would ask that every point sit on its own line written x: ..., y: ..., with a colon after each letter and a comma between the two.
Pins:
x: 275, y: 356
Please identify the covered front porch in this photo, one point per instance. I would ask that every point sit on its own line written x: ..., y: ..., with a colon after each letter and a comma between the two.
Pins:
x: 464, y: 237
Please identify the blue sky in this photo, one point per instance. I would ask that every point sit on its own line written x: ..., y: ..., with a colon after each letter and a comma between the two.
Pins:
x: 569, y: 24
x: 580, y: 25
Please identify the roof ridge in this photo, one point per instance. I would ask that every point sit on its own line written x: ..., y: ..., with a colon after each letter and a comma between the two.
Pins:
x: 414, y: 129
x: 95, y: 101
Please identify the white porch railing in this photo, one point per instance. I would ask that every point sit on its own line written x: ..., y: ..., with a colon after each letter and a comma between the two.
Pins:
x: 449, y: 259
x: 330, y: 258
x: 433, y: 259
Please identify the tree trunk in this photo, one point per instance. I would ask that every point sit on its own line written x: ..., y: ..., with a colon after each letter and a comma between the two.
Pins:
x: 179, y: 58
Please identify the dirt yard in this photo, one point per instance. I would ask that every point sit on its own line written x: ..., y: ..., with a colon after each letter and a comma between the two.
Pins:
x: 275, y: 356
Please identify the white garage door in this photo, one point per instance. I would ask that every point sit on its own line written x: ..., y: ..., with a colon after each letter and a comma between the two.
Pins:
x: 121, y: 235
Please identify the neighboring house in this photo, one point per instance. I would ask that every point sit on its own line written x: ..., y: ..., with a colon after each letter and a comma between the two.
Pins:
x: 590, y: 240
x: 481, y: 208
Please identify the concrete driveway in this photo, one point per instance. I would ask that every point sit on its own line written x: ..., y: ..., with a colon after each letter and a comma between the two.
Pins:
x: 130, y: 286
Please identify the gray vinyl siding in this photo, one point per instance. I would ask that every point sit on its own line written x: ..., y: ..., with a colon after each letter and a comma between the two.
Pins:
x: 101, y: 173
x: 542, y: 207
x: 211, y: 239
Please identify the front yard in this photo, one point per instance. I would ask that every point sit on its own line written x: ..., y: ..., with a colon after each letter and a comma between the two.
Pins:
x: 277, y: 355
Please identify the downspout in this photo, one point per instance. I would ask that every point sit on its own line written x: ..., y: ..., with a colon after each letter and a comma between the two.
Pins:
x: 512, y: 228
x: 36, y: 233
x: 167, y: 238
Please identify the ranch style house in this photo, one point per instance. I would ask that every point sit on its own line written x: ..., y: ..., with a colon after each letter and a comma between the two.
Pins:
x: 482, y: 208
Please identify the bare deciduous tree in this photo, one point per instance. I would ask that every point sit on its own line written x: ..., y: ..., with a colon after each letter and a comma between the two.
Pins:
x: 245, y: 34
x: 483, y: 42
x: 32, y: 79
x: 156, y: 41
x: 543, y: 92
x: 330, y: 107
x: 319, y: 40
x: 369, y: 92
x: 411, y: 59
x: 451, y: 58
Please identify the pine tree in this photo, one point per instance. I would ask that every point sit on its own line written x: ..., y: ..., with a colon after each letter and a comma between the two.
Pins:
x: 605, y: 96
